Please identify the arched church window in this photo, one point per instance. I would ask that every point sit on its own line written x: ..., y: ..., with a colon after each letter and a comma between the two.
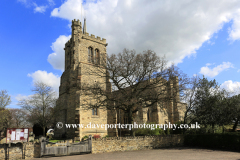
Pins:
x: 90, y: 54
x: 95, y: 60
x: 97, y: 57
x: 92, y: 57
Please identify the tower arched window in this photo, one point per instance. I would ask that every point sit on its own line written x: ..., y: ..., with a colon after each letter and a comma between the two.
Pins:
x: 97, y: 56
x: 92, y: 57
x: 90, y: 54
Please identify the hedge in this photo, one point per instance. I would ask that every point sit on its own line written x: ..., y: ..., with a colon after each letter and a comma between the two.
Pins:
x: 215, y: 141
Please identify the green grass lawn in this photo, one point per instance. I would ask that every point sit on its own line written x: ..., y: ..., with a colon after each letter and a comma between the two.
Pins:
x: 54, y: 140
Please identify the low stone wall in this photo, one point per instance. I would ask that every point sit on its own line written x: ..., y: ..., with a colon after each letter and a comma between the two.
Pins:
x: 100, y: 145
x: 20, y: 151
x: 112, y: 144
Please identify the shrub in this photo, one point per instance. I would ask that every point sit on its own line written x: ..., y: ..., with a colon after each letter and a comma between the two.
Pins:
x: 178, y: 130
x: 149, y: 132
x: 218, y: 141
x: 84, y: 138
x: 96, y: 136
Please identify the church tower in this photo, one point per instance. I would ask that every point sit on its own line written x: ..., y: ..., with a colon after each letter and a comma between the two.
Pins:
x: 84, y: 56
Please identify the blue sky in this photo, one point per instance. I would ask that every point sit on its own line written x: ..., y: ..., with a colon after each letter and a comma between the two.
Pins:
x: 201, y: 37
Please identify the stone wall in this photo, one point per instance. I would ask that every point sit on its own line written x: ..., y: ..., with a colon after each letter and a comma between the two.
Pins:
x: 112, y: 144
x: 20, y: 151
x: 100, y: 145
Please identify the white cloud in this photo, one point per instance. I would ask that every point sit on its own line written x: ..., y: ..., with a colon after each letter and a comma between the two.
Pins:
x: 238, y: 70
x: 23, y: 1
x: 26, y: 3
x: 19, y: 97
x: 39, y: 76
x: 234, y: 31
x: 40, y: 9
x: 37, y: 8
x: 209, y: 64
x: 233, y: 87
x: 56, y: 59
x: 69, y: 10
x: 216, y: 70
x: 174, y: 28
x: 51, y: 2
x: 47, y: 78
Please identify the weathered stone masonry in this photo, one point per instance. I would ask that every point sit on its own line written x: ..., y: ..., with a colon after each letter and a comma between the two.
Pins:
x: 77, y: 65
x: 112, y: 144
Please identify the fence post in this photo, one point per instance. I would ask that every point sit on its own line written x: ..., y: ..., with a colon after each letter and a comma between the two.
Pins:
x: 43, y: 145
x: 90, y: 143
x: 6, y: 148
x: 23, y: 150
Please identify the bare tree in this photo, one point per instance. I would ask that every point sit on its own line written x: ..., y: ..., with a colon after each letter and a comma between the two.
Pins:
x: 189, y: 99
x: 40, y: 105
x: 5, y: 99
x: 19, y: 118
x: 134, y: 81
x: 5, y: 115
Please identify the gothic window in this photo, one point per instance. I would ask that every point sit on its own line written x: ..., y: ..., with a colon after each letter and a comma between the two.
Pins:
x: 148, y: 115
x: 97, y: 56
x: 94, y: 111
x: 92, y: 57
x: 90, y: 54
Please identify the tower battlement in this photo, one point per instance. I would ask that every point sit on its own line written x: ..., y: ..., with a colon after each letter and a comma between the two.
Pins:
x: 76, y: 22
x: 93, y: 38
x: 82, y: 34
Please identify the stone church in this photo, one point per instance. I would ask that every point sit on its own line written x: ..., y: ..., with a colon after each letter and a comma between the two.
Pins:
x: 83, y: 53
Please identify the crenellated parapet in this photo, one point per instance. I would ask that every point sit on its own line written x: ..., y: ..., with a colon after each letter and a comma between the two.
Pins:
x: 76, y: 23
x: 94, y: 39
x: 78, y: 33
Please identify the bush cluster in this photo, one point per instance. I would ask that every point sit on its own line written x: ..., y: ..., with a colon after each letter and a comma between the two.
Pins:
x: 216, y: 141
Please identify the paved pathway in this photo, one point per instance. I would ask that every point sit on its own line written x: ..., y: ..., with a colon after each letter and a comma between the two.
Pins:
x: 156, y: 154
